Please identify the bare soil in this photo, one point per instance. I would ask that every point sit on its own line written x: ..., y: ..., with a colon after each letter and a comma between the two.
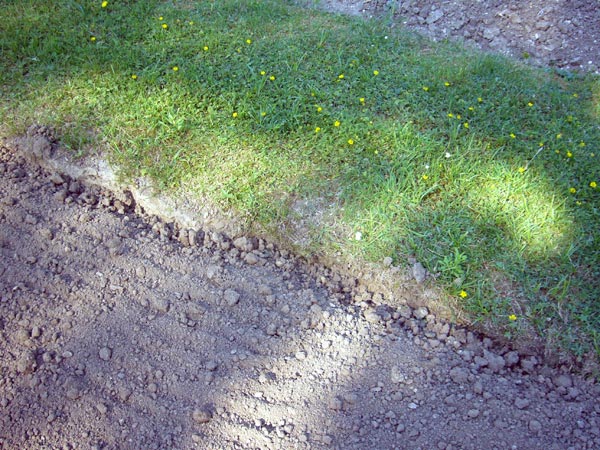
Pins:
x: 551, y: 33
x: 119, y: 330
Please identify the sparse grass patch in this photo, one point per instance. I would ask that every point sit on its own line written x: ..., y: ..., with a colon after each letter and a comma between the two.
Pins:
x: 487, y: 171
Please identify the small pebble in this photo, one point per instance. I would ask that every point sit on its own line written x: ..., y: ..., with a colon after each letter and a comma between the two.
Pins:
x: 105, y: 353
x: 232, y: 297
x: 202, y: 415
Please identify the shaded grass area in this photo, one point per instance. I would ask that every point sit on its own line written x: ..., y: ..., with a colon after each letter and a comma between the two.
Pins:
x: 486, y: 171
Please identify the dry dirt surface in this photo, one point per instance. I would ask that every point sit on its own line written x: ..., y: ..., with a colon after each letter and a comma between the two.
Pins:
x: 560, y: 33
x: 120, y: 331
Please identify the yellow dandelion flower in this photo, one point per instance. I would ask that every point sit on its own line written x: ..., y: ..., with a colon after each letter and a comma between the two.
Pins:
x: 263, y: 114
x: 263, y: 73
x: 458, y: 116
x: 446, y: 84
x: 559, y: 136
x: 161, y: 18
x: 191, y: 22
x: 350, y: 142
x: 466, y: 124
x: 317, y: 129
x: 134, y: 77
x: 272, y: 78
x: 165, y: 26
x: 521, y: 169
x: 463, y: 294
x: 450, y: 115
x: 425, y: 88
x: 361, y: 100
x: 205, y: 48
x: 512, y: 317
x: 569, y: 155
x: 93, y: 39
x: 104, y: 4
x: 175, y: 68
x: 234, y: 115
x: 513, y: 135
x: 248, y: 41
x: 572, y: 190
x: 336, y: 123
x: 471, y: 108
x: 425, y: 177
x: 341, y: 76
x: 376, y: 72
x: 593, y: 184
x: 319, y: 109
x: 582, y: 144
x: 530, y: 104
x: 479, y: 99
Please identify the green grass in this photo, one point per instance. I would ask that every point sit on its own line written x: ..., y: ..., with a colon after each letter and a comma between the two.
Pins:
x: 483, y: 169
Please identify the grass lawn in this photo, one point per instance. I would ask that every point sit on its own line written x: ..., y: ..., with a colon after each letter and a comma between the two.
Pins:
x: 486, y: 171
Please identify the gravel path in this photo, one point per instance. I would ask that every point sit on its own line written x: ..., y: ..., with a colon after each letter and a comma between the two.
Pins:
x: 558, y: 33
x: 119, y: 331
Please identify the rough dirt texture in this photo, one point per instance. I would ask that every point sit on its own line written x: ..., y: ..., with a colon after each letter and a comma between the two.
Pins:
x: 559, y: 33
x: 119, y: 331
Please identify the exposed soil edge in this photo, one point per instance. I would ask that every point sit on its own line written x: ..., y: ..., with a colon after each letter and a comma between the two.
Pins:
x: 382, y: 287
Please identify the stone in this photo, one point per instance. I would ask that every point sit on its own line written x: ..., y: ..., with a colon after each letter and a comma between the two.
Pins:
x: 419, y: 272
x: 26, y: 363
x: 459, y: 375
x: 434, y: 16
x: 420, y: 313
x: 335, y: 404
x: 105, y: 354
x: 251, y: 259
x: 490, y: 33
x: 243, y: 244
x: 195, y: 312
x: 56, y: 179
x: 202, y: 415
x: 522, y: 403
x: 495, y: 362
x: 102, y: 408
x: 160, y: 304
x: 535, y: 426
x: 371, y: 316
x: 231, y: 297
x: 563, y: 380
x: 300, y: 356
x: 212, y: 365
x: 473, y: 413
